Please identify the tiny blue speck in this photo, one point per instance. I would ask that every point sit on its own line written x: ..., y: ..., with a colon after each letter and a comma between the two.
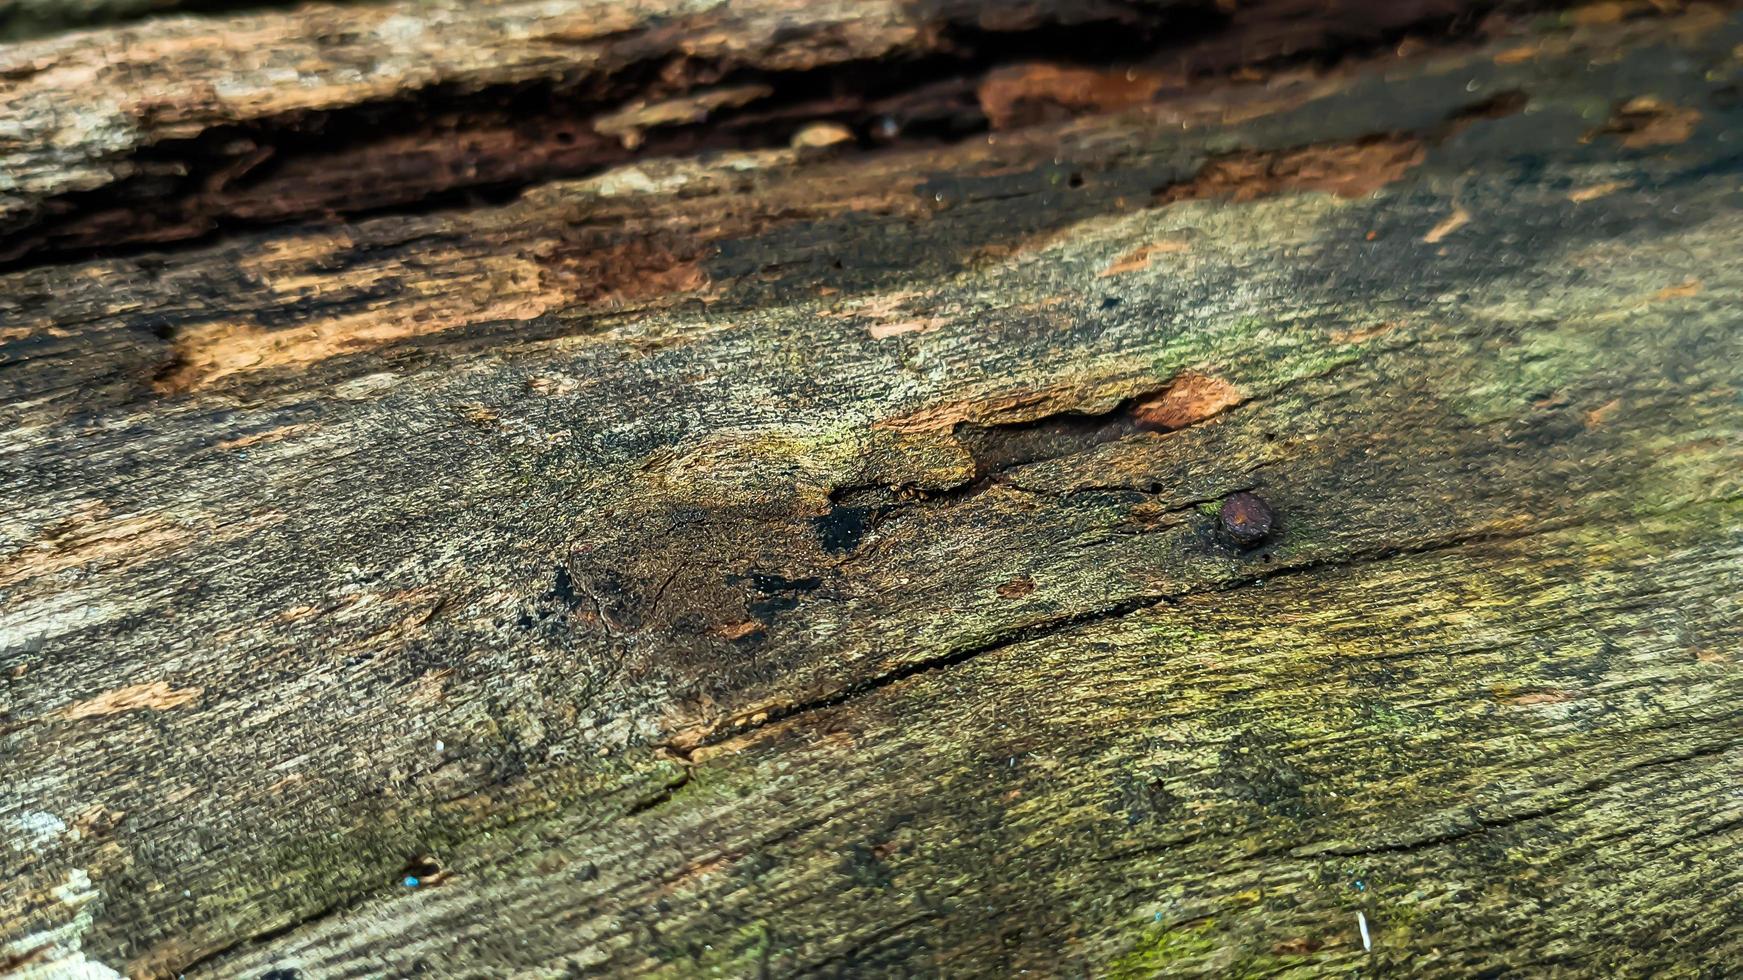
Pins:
x: 1158, y: 917
x: 1361, y: 887
x: 410, y: 882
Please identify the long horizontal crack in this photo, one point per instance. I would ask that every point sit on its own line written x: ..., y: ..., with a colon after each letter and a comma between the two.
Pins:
x: 1034, y: 631
x: 1127, y: 607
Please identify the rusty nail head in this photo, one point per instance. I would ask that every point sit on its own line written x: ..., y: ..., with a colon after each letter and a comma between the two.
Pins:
x: 1246, y: 518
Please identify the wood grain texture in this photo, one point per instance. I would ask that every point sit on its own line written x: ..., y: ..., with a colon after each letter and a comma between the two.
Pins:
x: 28, y: 19
x: 179, y: 128
x: 751, y: 556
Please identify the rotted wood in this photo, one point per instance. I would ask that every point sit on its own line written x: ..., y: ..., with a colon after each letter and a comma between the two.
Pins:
x: 873, y: 489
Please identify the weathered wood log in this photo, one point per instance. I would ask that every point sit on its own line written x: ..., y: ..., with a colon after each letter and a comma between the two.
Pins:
x: 682, y: 489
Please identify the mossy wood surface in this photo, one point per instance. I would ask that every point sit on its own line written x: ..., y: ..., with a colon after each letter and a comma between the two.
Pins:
x: 684, y: 490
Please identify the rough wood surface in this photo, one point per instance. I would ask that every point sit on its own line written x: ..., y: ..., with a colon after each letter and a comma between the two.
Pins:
x: 779, y: 538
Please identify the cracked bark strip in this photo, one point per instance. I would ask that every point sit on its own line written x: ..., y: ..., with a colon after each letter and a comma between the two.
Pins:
x: 493, y: 98
x: 578, y: 259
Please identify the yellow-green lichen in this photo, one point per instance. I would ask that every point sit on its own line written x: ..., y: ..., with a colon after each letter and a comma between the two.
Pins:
x: 1161, y: 947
